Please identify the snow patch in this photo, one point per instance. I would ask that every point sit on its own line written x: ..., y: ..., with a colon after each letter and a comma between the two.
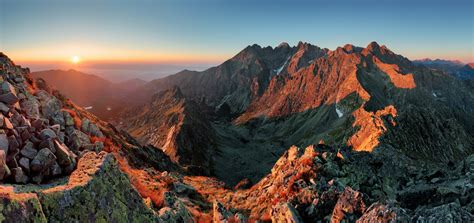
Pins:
x: 280, y: 69
x: 339, y: 112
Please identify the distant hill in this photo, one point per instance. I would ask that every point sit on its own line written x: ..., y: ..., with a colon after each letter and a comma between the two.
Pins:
x: 453, y: 67
x: 94, y: 93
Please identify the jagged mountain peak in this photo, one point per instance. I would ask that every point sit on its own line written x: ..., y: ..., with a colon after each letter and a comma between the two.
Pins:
x: 283, y: 45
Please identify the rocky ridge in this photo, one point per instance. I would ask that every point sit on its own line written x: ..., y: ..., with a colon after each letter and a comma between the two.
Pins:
x: 179, y: 126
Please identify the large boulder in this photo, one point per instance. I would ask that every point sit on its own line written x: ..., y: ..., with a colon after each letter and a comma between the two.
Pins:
x: 64, y: 156
x: 31, y: 107
x: 47, y: 134
x: 43, y: 160
x: 77, y: 139
x: 19, y: 175
x: 9, y: 98
x: 29, y: 151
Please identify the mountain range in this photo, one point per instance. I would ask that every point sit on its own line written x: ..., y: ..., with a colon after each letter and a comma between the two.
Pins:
x: 455, y: 68
x: 282, y: 134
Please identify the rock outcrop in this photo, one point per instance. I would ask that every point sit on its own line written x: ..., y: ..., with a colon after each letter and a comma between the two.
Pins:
x: 178, y: 126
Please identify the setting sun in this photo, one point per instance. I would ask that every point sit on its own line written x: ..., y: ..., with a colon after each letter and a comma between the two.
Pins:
x: 75, y: 59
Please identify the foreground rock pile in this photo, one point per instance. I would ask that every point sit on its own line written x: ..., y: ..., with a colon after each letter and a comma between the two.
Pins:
x: 326, y: 184
x: 39, y: 138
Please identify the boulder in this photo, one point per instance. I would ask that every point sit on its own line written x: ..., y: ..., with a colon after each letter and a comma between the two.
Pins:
x: 4, y: 145
x: 378, y: 212
x: 50, y: 105
x: 38, y: 123
x: 7, y: 124
x: 90, y: 128
x: 55, y: 169
x: 13, y: 144
x: 9, y: 98
x: 452, y: 212
x: 29, y: 151
x: 31, y: 107
x: 48, y: 143
x: 68, y: 120
x: 64, y: 156
x: 8, y: 88
x: 77, y: 139
x: 47, y: 134
x: 43, y: 160
x: 25, y: 164
x: 19, y: 176
x: 349, y: 206
x: 4, y: 108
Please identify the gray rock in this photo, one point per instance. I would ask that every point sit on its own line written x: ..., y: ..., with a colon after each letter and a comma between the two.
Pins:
x: 4, y: 108
x: 30, y: 107
x: 13, y: 144
x: 29, y: 151
x: 181, y: 188
x: 8, y: 98
x: 64, y: 156
x: 25, y: 164
x: 8, y: 88
x: 43, y: 160
x: 68, y: 120
x: 55, y: 169
x: 47, y: 134
x: 91, y: 128
x: 451, y: 212
x: 25, y: 134
x: 77, y: 139
x: 47, y: 143
x: 19, y: 176
x: 50, y: 105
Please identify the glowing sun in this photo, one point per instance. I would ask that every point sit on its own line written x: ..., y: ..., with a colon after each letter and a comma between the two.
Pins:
x: 75, y: 59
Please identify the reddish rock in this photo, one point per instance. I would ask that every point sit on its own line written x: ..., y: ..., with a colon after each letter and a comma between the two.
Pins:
x: 350, y: 206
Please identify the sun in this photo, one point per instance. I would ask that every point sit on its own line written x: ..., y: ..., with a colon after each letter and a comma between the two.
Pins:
x: 75, y: 59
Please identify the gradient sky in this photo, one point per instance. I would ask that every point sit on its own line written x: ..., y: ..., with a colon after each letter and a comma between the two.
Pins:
x: 210, y: 31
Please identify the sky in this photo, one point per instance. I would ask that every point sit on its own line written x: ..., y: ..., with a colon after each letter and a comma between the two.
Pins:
x: 196, y: 34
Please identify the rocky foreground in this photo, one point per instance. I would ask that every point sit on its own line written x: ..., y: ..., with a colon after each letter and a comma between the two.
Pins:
x: 60, y: 163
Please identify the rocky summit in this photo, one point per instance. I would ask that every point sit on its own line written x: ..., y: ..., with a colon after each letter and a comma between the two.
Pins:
x: 274, y: 134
